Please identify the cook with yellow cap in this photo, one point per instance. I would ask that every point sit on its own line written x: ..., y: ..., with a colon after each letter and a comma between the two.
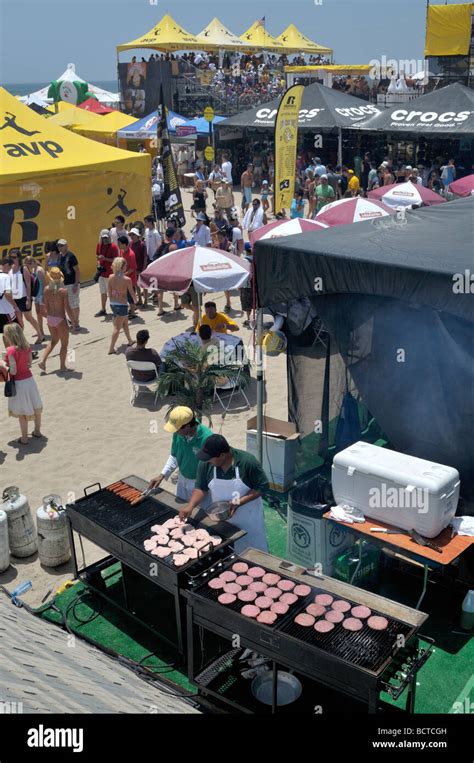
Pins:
x: 189, y: 436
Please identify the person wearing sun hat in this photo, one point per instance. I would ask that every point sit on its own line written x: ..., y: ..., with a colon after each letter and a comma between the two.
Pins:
x: 235, y: 476
x: 189, y: 436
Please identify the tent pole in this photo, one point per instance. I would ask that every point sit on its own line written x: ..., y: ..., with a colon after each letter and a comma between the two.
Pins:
x: 259, y: 385
x: 339, y: 147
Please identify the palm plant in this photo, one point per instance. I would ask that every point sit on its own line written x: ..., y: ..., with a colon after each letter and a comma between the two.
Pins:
x: 191, y: 375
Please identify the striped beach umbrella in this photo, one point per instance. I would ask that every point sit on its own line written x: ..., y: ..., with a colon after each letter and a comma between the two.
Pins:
x: 285, y: 228
x: 356, y: 210
x: 208, y: 269
x: 406, y: 195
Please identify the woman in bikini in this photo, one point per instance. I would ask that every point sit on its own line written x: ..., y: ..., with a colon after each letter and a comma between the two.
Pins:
x: 119, y: 286
x: 54, y: 307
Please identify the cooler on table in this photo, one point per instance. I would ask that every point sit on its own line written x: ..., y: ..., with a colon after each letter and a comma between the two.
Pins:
x: 402, y: 490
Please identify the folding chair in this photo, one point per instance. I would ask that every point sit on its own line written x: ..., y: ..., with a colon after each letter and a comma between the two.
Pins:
x: 232, y: 387
x: 142, y: 365
x: 321, y: 333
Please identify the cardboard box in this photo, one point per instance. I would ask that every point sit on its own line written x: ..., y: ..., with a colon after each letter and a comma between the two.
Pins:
x: 280, y: 443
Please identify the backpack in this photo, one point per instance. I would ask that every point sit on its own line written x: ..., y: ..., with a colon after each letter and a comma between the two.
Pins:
x: 35, y: 283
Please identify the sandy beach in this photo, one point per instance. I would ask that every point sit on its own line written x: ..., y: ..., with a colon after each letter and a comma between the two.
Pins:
x: 93, y: 434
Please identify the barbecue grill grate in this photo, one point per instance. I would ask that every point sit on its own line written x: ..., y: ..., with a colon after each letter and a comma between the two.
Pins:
x: 212, y: 594
x: 366, y: 648
x: 117, y: 515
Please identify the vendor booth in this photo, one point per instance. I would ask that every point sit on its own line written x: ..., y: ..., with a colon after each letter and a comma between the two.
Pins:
x: 56, y: 184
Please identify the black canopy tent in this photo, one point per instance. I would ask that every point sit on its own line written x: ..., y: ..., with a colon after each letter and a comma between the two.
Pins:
x: 322, y: 108
x: 394, y: 296
x: 447, y: 112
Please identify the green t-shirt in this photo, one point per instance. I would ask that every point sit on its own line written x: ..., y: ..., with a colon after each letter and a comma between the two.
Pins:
x: 251, y: 473
x: 324, y: 194
x: 185, y: 451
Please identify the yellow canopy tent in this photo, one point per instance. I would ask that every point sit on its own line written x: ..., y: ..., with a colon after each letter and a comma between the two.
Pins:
x: 104, y: 128
x: 216, y: 36
x: 448, y: 30
x: 295, y: 41
x: 257, y: 38
x: 71, y: 116
x: 55, y: 184
x: 166, y: 35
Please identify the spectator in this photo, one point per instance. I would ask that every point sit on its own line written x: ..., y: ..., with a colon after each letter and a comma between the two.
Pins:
x: 207, y: 340
x: 121, y: 294
x: 26, y: 404
x: 353, y: 185
x: 141, y: 258
x: 36, y: 271
x: 69, y: 267
x: 365, y: 170
x: 118, y: 229
x: 297, y: 205
x: 8, y: 308
x: 237, y: 238
x: 202, y: 234
x: 226, y: 167
x: 199, y: 198
x: 254, y: 217
x: 225, y: 197
x: 106, y: 252
x: 52, y: 254
x: 215, y: 178
x: 324, y: 193
x: 152, y: 237
x: 264, y: 194
x: 246, y: 184
x: 319, y: 168
x: 145, y: 354
x: 130, y: 271
x: 55, y: 305
x: 217, y: 321
x: 373, y: 178
x: 21, y: 283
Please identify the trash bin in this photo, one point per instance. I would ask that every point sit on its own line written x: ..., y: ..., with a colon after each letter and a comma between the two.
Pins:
x: 311, y: 539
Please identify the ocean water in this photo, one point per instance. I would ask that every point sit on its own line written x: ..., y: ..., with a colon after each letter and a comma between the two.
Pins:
x: 25, y: 88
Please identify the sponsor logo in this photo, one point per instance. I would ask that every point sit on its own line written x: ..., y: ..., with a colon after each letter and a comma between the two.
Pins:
x: 428, y: 117
x: 9, y: 120
x: 29, y: 229
x: 300, y: 535
x: 358, y: 111
x: 212, y: 266
x: 120, y: 202
x: 404, y: 193
x: 367, y: 215
x: 284, y: 184
x: 35, y: 148
x: 267, y: 115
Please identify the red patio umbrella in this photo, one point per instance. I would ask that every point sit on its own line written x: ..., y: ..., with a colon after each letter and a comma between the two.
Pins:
x: 209, y: 270
x: 463, y: 186
x: 91, y: 104
x: 406, y: 195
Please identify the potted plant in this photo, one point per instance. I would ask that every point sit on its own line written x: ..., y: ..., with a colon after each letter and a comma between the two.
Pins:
x: 192, y: 373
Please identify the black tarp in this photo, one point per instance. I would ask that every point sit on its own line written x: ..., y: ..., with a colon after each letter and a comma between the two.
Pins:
x: 395, y: 298
x: 322, y: 108
x: 448, y: 111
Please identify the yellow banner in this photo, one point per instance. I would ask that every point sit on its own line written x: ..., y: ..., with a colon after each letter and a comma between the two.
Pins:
x: 286, y: 139
x: 448, y: 30
x: 74, y: 206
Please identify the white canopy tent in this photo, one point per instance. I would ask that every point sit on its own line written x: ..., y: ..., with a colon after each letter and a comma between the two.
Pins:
x: 103, y: 96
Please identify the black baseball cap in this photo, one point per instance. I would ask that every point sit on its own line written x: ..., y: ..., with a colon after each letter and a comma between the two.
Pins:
x: 214, y: 446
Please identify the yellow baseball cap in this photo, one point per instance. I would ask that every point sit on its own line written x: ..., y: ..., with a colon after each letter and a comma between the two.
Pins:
x: 178, y: 417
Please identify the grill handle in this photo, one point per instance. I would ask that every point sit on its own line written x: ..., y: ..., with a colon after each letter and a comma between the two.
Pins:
x: 422, y: 655
x: 94, y: 484
x: 205, y: 549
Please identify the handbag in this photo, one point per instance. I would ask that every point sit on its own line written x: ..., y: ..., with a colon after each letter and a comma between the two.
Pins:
x: 9, y: 390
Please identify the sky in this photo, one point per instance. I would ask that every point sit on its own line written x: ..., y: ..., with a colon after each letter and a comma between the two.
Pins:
x: 38, y: 38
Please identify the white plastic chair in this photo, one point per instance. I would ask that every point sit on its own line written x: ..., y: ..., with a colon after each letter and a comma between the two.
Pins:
x: 232, y: 387
x: 142, y: 365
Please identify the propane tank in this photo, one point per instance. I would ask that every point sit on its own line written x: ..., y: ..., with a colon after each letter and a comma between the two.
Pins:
x: 21, y: 528
x: 53, y: 539
x: 467, y: 612
x: 4, y: 547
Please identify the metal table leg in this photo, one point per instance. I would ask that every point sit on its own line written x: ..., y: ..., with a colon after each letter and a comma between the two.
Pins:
x: 124, y: 588
x: 189, y: 626
x: 274, y: 687
x: 410, y: 703
x: 72, y: 544
x: 425, y: 585
x: 359, y: 562
x: 179, y: 630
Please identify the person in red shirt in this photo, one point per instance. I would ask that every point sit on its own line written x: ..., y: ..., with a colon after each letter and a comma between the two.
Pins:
x: 106, y: 252
x: 26, y: 404
x: 139, y: 248
x: 129, y: 256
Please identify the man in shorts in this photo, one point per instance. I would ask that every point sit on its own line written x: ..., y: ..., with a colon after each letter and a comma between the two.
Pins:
x: 106, y: 252
x: 69, y: 267
x: 8, y: 308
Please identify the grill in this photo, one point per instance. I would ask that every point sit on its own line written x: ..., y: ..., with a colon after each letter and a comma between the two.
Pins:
x: 118, y: 527
x: 360, y: 664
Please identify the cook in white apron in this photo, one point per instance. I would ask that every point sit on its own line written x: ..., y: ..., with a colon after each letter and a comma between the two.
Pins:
x: 248, y: 517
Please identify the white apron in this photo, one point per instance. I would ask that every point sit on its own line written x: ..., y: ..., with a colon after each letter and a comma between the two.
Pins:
x: 184, y: 490
x: 248, y: 517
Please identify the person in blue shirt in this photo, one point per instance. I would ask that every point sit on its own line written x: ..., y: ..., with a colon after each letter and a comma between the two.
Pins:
x: 319, y: 168
x: 297, y: 205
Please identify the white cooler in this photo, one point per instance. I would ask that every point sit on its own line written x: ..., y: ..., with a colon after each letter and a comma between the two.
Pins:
x: 402, y: 490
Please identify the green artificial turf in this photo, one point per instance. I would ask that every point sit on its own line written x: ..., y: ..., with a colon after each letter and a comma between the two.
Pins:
x: 445, y: 679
